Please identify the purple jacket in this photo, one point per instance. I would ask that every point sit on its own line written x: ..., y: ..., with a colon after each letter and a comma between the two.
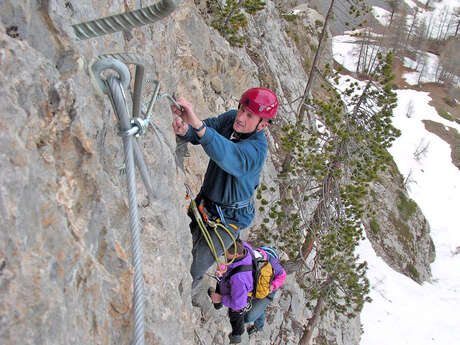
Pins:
x: 235, y: 290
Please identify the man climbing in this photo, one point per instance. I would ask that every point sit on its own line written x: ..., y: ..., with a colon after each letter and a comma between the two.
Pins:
x: 237, y: 148
x: 233, y: 288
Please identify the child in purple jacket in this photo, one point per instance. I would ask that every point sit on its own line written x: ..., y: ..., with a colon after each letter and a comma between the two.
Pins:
x: 232, y: 290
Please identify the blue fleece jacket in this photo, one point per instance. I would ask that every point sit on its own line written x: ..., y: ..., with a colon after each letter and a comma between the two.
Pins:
x: 234, y: 290
x: 234, y: 168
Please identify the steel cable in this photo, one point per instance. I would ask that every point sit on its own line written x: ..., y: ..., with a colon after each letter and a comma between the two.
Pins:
x: 114, y: 87
x: 119, y: 103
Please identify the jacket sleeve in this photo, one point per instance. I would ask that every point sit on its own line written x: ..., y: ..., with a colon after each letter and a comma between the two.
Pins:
x: 216, y: 123
x: 238, y: 297
x: 279, y: 273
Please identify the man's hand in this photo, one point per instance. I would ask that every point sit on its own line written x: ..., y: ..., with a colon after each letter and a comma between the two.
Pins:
x: 179, y: 126
x: 187, y: 114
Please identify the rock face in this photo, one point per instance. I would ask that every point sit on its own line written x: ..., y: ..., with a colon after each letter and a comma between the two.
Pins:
x: 399, y: 232
x: 65, y: 247
x: 66, y: 274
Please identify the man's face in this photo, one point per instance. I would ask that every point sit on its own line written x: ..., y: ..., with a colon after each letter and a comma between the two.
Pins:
x: 246, y: 121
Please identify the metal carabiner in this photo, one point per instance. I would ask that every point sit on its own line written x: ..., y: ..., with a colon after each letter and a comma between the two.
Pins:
x: 155, y: 97
x: 173, y: 101
x: 189, y: 191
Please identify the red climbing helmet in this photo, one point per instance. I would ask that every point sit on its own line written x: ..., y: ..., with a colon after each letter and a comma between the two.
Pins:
x: 261, y: 101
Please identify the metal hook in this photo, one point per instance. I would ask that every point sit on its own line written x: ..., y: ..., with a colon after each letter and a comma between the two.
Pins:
x: 113, y: 64
x: 173, y: 101
x: 189, y: 191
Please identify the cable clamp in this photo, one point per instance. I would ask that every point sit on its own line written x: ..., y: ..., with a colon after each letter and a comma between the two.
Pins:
x: 142, y: 124
x: 139, y: 127
x: 130, y: 132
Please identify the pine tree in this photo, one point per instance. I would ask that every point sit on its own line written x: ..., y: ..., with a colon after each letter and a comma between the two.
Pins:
x: 332, y: 168
x: 231, y: 18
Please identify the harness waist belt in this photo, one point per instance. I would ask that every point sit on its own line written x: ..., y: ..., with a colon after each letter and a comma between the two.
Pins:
x: 235, y: 205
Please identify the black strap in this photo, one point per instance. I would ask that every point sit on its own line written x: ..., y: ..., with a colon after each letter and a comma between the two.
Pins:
x: 238, y: 269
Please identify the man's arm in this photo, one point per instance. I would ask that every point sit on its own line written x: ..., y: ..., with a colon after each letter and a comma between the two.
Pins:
x: 237, y: 159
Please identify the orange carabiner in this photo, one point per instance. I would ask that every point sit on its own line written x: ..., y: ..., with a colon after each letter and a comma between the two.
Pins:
x: 203, y: 213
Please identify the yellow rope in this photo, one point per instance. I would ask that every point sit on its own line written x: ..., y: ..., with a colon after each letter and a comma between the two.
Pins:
x: 207, y: 236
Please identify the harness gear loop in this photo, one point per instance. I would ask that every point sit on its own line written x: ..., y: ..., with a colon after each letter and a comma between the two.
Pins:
x: 214, y: 225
